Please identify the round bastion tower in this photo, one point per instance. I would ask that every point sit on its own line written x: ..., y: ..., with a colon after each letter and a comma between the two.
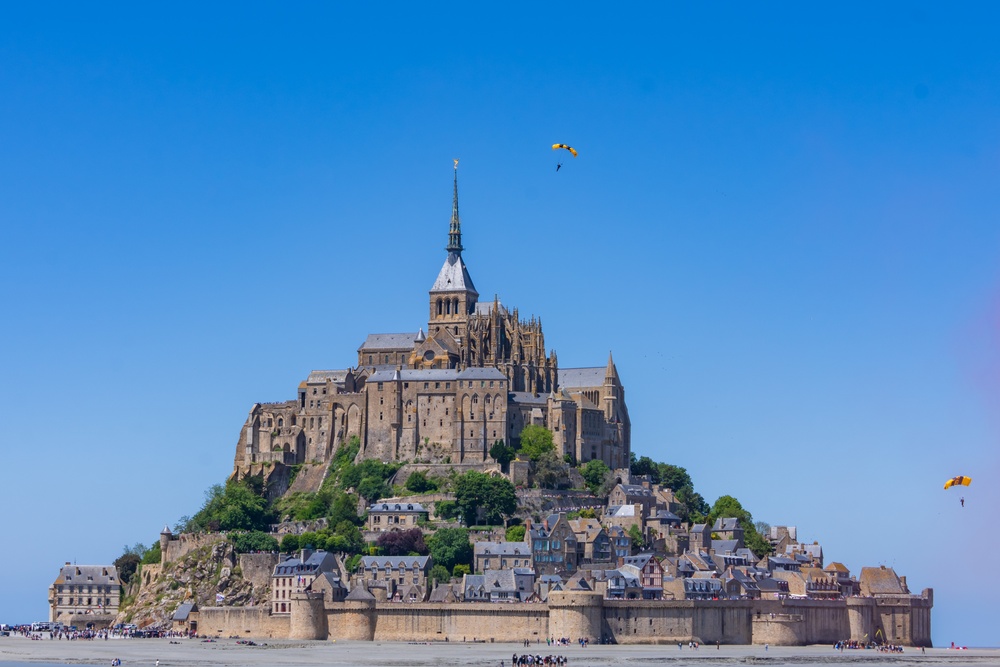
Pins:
x: 308, y: 617
x: 357, y: 621
x: 576, y: 614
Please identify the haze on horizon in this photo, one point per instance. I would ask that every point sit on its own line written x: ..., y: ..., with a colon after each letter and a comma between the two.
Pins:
x: 782, y: 222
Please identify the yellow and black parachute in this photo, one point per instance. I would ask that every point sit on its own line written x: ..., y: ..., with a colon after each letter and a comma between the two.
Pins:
x: 960, y: 480
x: 572, y: 150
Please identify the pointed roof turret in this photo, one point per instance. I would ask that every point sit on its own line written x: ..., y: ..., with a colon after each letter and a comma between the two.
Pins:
x: 455, y: 231
x: 421, y: 337
x: 610, y: 372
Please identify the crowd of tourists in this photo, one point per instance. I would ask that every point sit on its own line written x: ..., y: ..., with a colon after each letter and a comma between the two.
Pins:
x: 881, y: 648
x: 545, y: 661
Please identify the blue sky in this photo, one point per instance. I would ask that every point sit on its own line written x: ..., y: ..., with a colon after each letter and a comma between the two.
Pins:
x: 782, y: 223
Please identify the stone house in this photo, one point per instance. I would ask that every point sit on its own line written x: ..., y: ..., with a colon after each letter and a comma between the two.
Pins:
x: 501, y: 555
x: 728, y: 528
x: 513, y: 585
x: 330, y: 586
x: 395, y: 516
x: 632, y: 494
x: 84, y: 594
x: 848, y: 584
x: 553, y: 545
x: 624, y: 517
x: 394, y: 577
x: 296, y: 574
x: 649, y: 572
x: 621, y: 543
x: 593, y: 546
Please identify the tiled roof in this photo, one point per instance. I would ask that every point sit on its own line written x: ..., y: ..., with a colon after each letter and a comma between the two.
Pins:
x: 413, y: 508
x: 502, y: 549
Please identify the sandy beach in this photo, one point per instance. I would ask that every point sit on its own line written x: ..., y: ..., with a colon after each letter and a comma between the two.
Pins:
x: 194, y: 653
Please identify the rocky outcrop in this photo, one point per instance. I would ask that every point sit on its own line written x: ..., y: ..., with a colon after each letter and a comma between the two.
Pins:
x: 200, y: 576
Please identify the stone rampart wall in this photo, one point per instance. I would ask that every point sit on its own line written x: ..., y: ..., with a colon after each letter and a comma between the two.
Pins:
x: 667, y: 621
x: 456, y: 622
x: 257, y: 569
x: 244, y: 622
x: 183, y: 544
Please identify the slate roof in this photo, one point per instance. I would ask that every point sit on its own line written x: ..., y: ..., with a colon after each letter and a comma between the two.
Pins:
x: 359, y: 594
x: 725, y: 546
x: 502, y: 549
x: 581, y: 377
x: 620, y: 511
x: 389, y: 341
x: 727, y: 523
x: 104, y: 575
x: 527, y: 398
x: 482, y: 373
x: 413, y: 508
x: 454, y: 276
x: 184, y: 610
x: 881, y: 581
x: 414, y: 375
x: 395, y: 562
x: 316, y: 562
x: 320, y: 377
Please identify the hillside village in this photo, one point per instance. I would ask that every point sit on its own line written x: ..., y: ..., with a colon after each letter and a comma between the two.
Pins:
x: 458, y: 482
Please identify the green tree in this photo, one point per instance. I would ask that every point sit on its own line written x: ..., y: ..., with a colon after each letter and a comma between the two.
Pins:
x: 461, y: 569
x: 289, y: 543
x: 674, y: 477
x: 515, y: 534
x: 502, y: 454
x: 254, y: 540
x: 594, y: 471
x: 344, y: 508
x: 348, y: 539
x: 152, y: 555
x: 447, y: 509
x: 635, y: 534
x: 551, y: 472
x: 535, y: 441
x: 644, y: 466
x: 495, y: 496
x: 450, y: 546
x: 127, y: 565
x: 439, y: 574
x: 728, y: 506
x: 239, y: 505
x: 418, y: 482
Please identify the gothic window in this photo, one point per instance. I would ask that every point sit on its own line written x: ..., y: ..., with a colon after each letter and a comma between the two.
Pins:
x: 281, y: 422
x: 475, y: 399
x: 439, y: 307
x: 456, y: 306
x: 487, y: 398
x: 447, y: 307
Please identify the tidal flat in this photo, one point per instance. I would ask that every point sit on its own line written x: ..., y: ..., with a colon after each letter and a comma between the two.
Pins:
x: 16, y: 651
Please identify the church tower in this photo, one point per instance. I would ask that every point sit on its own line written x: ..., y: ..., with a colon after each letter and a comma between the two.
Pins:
x: 453, y: 296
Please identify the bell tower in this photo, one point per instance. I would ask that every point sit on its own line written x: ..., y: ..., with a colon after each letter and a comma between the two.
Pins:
x: 453, y: 296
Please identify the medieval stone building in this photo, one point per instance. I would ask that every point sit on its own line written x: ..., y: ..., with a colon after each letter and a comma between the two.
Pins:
x: 476, y: 375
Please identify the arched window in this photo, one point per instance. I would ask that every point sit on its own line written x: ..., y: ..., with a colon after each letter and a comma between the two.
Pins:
x: 456, y: 306
x: 439, y: 307
x: 447, y: 307
x: 281, y: 422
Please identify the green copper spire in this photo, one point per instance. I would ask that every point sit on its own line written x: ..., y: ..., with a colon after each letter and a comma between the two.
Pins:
x: 455, y: 232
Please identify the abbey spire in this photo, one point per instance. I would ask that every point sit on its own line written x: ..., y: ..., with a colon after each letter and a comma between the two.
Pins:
x: 455, y: 231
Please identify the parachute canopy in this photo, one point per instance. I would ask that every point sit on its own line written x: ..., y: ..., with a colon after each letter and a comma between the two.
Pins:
x: 961, y: 480
x: 569, y: 148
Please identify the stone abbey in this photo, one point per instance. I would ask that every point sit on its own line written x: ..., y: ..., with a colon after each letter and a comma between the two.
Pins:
x: 478, y: 374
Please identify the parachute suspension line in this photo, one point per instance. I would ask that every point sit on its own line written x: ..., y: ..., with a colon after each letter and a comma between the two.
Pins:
x: 455, y: 231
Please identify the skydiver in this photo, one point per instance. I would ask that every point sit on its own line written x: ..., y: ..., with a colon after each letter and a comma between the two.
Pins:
x: 558, y: 166
x: 962, y: 500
